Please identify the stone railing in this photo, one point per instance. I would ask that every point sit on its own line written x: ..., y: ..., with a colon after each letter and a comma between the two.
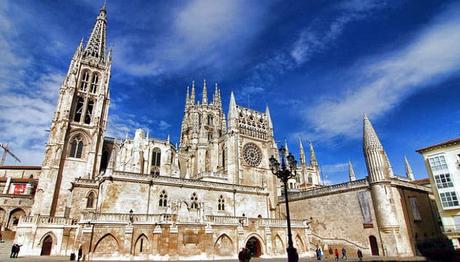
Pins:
x: 47, y: 220
x: 326, y: 190
x: 226, y: 220
x: 127, y: 218
x: 136, y: 177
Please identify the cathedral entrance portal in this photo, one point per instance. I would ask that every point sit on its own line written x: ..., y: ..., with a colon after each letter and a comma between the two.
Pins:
x: 254, y: 247
x: 46, y: 246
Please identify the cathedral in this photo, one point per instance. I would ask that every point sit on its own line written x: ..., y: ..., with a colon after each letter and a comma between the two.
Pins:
x: 205, y: 198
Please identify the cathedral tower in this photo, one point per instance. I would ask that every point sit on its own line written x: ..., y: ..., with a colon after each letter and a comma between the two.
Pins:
x: 77, y: 129
x: 201, y: 141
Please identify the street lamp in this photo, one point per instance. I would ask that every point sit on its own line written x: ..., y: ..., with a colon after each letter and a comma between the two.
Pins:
x: 285, y: 171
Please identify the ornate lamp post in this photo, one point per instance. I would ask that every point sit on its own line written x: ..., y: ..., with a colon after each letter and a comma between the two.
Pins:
x: 285, y: 171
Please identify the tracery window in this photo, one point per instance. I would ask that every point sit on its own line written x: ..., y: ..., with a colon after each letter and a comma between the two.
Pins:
x: 209, y: 120
x: 78, y: 109
x: 94, y: 83
x: 84, y: 81
x: 163, y: 199
x: 221, y: 203
x: 194, y: 202
x: 76, y: 147
x: 156, y: 161
x: 89, y: 111
x: 90, y: 200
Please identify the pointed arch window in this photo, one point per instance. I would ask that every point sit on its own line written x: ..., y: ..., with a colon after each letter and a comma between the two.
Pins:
x: 210, y: 118
x: 221, y: 203
x: 84, y: 81
x: 76, y: 147
x: 89, y: 111
x: 194, y: 201
x: 94, y: 83
x: 79, y: 109
x: 90, y: 200
x: 156, y: 161
x: 163, y: 199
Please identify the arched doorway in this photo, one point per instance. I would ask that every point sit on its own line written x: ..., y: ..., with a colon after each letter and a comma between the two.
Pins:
x: 14, y: 218
x: 254, y: 247
x: 47, y: 244
x: 374, y: 246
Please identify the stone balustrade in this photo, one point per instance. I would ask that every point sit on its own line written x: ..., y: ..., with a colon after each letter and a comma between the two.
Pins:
x: 46, y: 220
x: 127, y: 218
x: 326, y: 190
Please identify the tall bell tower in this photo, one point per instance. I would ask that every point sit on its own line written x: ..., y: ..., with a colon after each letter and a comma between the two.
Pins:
x: 77, y: 129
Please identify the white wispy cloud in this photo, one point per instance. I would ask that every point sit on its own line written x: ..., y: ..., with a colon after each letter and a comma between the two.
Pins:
x: 381, y: 82
x: 201, y: 33
x: 28, y: 102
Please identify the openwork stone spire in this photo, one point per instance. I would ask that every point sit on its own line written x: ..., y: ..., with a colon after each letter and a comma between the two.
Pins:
x: 377, y: 163
x: 302, y: 152
x: 409, y: 172
x: 95, y: 47
x: 204, y: 99
x: 313, y: 160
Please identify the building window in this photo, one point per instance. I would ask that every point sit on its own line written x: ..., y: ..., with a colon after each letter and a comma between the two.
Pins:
x: 84, y: 81
x: 221, y: 203
x: 156, y: 161
x: 194, y: 201
x: 89, y: 111
x: 163, y: 199
x: 90, y: 200
x: 414, y: 207
x: 438, y: 163
x: 78, y: 109
x: 94, y: 83
x: 443, y: 180
x: 449, y: 199
x: 76, y: 147
x: 209, y: 120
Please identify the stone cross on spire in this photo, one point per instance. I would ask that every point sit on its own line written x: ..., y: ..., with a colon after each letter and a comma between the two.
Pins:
x: 409, y: 172
x: 95, y: 47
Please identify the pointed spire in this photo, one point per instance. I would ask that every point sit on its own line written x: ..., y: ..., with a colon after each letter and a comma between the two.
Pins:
x: 409, y: 172
x: 192, y: 95
x: 204, y: 99
x: 313, y: 160
x: 95, y: 47
x: 269, y: 118
x: 187, y: 98
x: 302, y: 152
x: 286, y: 146
x: 351, y: 171
x: 378, y: 165
x: 214, y: 96
x: 232, y: 112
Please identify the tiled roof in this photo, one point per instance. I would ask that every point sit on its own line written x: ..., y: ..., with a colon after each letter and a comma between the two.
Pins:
x: 445, y: 143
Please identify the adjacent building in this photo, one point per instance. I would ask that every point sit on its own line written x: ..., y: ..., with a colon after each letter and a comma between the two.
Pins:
x: 442, y: 162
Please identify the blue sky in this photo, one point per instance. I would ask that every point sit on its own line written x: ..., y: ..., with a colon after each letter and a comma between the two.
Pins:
x: 319, y: 65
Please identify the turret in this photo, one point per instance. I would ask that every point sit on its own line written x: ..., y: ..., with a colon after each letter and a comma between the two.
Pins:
x: 377, y: 162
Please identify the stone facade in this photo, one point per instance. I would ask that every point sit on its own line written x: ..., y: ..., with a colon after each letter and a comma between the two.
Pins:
x: 214, y: 193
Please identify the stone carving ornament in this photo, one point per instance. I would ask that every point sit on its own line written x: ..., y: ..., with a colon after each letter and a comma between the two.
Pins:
x: 252, y: 154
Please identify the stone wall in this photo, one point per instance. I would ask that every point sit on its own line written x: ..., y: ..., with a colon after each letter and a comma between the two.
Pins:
x: 336, y: 220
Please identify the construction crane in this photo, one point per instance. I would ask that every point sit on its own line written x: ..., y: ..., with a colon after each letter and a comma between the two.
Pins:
x: 6, y: 151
